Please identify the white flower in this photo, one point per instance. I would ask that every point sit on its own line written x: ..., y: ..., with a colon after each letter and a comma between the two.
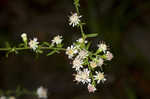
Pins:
x: 100, y: 62
x: 70, y: 51
x: 3, y: 97
x: 91, y: 88
x: 82, y: 54
x: 33, y: 44
x: 42, y: 92
x: 57, y: 39
x: 102, y: 47
x: 80, y: 40
x: 93, y: 64
x: 24, y: 37
x: 12, y: 97
x: 99, y: 77
x: 83, y: 76
x: 109, y: 56
x: 78, y: 77
x: 96, y: 62
x: 74, y: 19
x: 77, y: 63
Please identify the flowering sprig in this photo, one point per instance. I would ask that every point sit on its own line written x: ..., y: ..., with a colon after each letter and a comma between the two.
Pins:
x: 88, y: 64
x: 55, y: 46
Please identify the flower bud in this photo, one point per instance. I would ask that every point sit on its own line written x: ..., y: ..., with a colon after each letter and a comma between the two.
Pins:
x: 42, y: 92
x: 24, y: 37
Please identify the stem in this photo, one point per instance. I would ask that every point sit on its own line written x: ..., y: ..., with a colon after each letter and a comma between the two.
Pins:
x: 82, y: 32
x: 91, y: 75
x: 28, y: 48
x: 80, y: 24
x: 77, y: 9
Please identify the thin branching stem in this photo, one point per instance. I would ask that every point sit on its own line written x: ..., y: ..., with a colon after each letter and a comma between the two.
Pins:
x: 78, y: 12
x: 28, y: 48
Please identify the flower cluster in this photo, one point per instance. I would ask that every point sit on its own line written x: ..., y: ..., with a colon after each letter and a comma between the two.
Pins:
x: 87, y: 64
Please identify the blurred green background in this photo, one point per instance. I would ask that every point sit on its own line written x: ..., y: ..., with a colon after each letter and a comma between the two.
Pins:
x: 123, y: 24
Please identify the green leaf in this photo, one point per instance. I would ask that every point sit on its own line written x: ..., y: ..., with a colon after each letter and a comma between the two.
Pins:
x: 92, y: 35
x: 103, y: 56
x: 10, y: 51
x: 88, y: 45
x: 21, y: 45
x: 39, y: 51
x: 60, y: 45
x: 52, y: 52
x: 7, y: 45
x: 83, y: 23
x: 46, y: 43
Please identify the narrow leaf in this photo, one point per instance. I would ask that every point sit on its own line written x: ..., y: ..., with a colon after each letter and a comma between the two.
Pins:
x: 88, y: 45
x: 46, y: 43
x: 7, y: 45
x: 92, y: 35
x: 52, y: 52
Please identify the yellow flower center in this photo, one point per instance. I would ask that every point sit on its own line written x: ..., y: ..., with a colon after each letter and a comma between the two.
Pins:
x: 100, y: 76
x: 93, y: 64
x: 70, y: 52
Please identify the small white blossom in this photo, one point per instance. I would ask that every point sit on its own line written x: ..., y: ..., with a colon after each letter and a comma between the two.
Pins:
x: 57, y: 39
x: 83, y: 76
x: 78, y: 77
x: 70, y: 51
x: 91, y: 88
x: 3, y: 97
x: 12, y: 97
x: 80, y: 40
x: 42, y: 92
x: 77, y: 64
x: 102, y: 47
x: 93, y: 64
x: 100, y: 62
x: 34, y: 44
x: 109, y: 56
x: 74, y: 19
x: 82, y: 54
x: 24, y: 37
x: 99, y: 77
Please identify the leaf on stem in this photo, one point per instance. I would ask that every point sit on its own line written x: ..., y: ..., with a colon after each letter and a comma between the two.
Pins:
x: 52, y: 52
x: 46, y: 43
x: 92, y: 35
x: 21, y: 45
x: 7, y: 45
x: 88, y: 45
